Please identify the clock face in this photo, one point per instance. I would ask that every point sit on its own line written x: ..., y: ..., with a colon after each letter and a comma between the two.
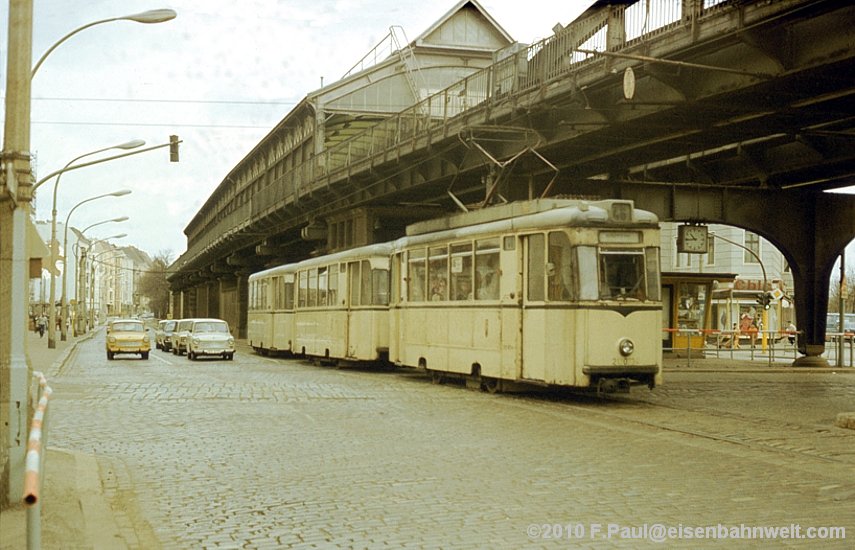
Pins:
x: 692, y: 239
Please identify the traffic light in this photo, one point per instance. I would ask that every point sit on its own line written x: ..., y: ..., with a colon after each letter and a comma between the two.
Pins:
x: 173, y: 148
x: 764, y: 299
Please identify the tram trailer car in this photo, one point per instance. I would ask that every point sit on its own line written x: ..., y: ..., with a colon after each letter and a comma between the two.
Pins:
x: 332, y: 307
x: 548, y: 292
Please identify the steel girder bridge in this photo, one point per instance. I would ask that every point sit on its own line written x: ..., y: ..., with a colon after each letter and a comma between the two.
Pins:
x: 740, y: 113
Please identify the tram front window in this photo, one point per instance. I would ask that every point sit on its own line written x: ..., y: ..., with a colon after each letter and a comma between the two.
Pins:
x: 622, y: 275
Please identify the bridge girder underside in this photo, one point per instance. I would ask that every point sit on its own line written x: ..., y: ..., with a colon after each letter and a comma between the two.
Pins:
x: 753, y: 145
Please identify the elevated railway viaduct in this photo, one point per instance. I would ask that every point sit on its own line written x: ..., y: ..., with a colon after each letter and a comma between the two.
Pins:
x: 735, y: 112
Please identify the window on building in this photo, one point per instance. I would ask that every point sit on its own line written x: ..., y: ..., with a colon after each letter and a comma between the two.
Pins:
x: 752, y: 243
x: 710, y: 255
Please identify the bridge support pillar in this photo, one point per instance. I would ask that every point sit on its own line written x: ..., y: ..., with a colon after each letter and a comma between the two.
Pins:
x: 242, y: 303
x: 811, y: 228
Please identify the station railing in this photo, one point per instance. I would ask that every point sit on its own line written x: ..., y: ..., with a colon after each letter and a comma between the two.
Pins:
x: 763, y: 345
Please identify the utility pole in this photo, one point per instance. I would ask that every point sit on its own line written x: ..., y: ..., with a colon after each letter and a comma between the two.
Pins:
x: 15, y: 198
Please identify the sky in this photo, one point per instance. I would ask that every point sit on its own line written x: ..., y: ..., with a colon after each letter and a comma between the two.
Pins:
x: 219, y: 76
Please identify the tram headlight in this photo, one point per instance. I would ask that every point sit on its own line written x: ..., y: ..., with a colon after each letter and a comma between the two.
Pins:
x: 626, y: 347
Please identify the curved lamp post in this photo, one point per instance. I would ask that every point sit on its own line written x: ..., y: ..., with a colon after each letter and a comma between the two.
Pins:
x: 133, y: 144
x: 151, y: 16
x: 52, y: 309
x: 16, y: 147
x: 79, y: 282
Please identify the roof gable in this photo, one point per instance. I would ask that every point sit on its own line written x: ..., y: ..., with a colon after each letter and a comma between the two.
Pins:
x: 467, y: 25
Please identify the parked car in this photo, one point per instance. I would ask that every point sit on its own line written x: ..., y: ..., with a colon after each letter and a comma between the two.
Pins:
x: 163, y: 334
x: 210, y: 337
x: 127, y: 336
x: 179, y: 336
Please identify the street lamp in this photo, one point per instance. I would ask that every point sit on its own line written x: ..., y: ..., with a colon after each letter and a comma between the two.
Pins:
x: 133, y: 144
x: 63, y: 324
x: 151, y: 16
x: 17, y: 190
x: 79, y: 283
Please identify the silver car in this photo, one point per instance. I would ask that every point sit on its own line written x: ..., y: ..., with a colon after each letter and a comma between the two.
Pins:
x: 163, y: 334
x: 210, y: 337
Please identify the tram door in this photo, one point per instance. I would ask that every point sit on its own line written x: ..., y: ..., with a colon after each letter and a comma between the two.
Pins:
x: 354, y: 286
x: 533, y: 322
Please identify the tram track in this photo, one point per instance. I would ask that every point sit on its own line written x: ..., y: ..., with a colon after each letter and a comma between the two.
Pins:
x: 816, y: 449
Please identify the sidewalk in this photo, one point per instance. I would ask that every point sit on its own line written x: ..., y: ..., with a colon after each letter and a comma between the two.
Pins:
x: 75, y: 513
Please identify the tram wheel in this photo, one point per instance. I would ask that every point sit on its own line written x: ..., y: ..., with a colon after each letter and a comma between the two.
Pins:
x: 490, y: 385
x: 436, y: 377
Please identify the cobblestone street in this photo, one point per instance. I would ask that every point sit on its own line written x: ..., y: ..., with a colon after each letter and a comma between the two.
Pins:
x: 270, y: 453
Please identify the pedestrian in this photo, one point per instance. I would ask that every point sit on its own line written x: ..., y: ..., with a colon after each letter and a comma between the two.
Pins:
x: 735, y: 336
x: 41, y: 324
x: 791, y: 333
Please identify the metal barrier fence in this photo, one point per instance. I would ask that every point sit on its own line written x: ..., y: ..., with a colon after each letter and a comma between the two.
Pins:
x: 758, y: 345
x: 34, y: 468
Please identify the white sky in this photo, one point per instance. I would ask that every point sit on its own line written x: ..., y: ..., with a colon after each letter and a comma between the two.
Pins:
x: 220, y: 76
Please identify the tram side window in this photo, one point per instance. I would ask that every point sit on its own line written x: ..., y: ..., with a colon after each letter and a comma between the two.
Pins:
x: 380, y: 287
x: 365, y: 283
x: 289, y: 295
x: 313, y: 288
x: 277, y: 292
x: 535, y: 266
x: 654, y: 287
x: 487, y: 269
x: 353, y: 282
x: 461, y: 271
x: 252, y: 304
x: 588, y: 278
x: 323, y: 285
x: 263, y: 298
x: 332, y: 287
x: 559, y: 269
x: 438, y: 273
x: 416, y: 271
x: 622, y: 274
x: 303, y: 289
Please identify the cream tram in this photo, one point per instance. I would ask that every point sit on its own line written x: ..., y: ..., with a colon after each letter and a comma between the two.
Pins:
x: 550, y: 292
x: 547, y: 292
x: 334, y: 307
x: 271, y: 310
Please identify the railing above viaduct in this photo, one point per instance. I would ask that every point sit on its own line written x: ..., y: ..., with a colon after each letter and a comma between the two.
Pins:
x: 520, y: 71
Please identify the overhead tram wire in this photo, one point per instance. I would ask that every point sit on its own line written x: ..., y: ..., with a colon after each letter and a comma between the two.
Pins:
x: 153, y: 124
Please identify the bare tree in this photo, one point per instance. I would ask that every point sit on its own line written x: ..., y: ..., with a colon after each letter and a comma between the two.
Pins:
x: 848, y: 292
x: 154, y: 285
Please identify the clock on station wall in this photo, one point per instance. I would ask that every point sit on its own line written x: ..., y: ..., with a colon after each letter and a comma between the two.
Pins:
x: 692, y: 239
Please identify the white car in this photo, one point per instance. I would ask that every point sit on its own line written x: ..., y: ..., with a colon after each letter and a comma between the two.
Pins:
x: 209, y: 337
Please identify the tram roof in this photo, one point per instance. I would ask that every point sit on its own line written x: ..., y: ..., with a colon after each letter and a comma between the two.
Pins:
x: 530, y: 215
x: 379, y: 250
